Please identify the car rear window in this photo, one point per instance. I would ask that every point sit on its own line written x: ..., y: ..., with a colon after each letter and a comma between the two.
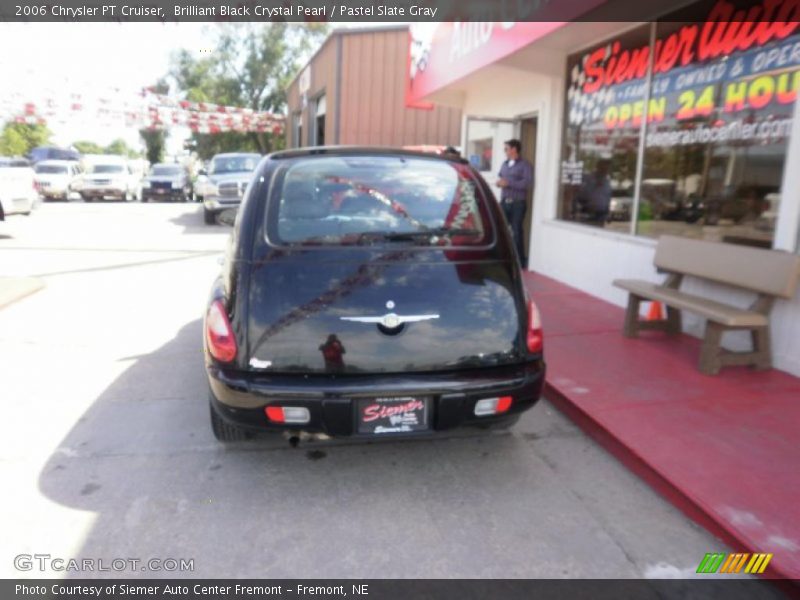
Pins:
x: 107, y: 169
x: 243, y: 163
x: 51, y: 169
x: 366, y: 200
x: 165, y: 170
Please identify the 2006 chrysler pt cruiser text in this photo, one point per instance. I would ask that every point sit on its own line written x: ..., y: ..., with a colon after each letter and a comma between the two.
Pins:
x: 369, y: 293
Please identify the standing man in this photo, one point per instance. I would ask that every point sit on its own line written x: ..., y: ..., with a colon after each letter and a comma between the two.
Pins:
x: 516, y: 178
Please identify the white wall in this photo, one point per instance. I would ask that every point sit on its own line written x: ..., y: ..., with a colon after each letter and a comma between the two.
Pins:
x: 590, y: 259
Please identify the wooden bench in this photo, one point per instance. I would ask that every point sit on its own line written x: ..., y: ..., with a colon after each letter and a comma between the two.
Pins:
x: 769, y: 273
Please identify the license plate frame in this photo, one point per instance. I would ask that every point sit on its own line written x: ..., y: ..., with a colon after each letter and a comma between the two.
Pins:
x: 393, y: 415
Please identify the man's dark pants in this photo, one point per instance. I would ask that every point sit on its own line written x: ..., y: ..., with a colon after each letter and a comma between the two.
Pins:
x: 515, y: 215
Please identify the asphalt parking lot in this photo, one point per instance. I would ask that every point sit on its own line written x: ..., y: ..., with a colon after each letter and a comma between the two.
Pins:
x: 106, y: 449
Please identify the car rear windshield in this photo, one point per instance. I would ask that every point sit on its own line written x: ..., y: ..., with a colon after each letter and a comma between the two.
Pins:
x: 51, y: 169
x: 234, y: 164
x: 165, y: 170
x: 365, y: 200
x: 108, y: 169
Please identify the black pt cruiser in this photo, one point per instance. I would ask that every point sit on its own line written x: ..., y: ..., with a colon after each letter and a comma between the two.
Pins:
x: 369, y: 292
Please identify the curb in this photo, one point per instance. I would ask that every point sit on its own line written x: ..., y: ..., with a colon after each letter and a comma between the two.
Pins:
x: 650, y: 474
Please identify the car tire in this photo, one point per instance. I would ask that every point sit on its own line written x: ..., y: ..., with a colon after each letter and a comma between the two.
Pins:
x: 224, y: 431
x: 209, y: 217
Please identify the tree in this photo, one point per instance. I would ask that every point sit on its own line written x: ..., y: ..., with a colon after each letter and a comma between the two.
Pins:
x: 12, y: 143
x: 18, y: 139
x: 155, y: 139
x: 251, y: 67
x: 87, y: 147
x: 120, y: 147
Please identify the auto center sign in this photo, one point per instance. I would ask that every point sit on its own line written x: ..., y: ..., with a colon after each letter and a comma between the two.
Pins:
x: 442, y: 53
x: 721, y: 76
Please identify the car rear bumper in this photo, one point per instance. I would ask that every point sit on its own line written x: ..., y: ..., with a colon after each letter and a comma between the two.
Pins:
x: 241, y: 398
x: 151, y: 194
x: 102, y: 192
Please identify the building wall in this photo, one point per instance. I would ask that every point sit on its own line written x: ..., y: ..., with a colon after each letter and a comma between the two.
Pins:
x: 323, y: 81
x: 372, y: 95
x: 590, y: 259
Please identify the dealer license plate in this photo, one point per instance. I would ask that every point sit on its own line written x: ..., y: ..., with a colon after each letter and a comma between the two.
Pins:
x: 404, y: 414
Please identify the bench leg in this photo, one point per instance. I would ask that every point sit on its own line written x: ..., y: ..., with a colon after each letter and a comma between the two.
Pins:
x: 710, y: 362
x: 631, y: 327
x: 674, y: 323
x: 762, y: 350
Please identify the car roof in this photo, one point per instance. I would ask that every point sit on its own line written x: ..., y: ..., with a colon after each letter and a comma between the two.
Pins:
x: 57, y: 163
x: 227, y: 154
x: 362, y: 150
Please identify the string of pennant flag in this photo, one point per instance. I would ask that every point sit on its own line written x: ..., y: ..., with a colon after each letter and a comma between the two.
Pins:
x: 149, y: 111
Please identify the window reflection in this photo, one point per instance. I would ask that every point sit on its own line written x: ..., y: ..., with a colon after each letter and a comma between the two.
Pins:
x: 598, y: 166
x: 717, y: 121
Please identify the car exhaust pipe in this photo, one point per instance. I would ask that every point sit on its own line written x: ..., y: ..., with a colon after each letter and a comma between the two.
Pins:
x: 296, y: 437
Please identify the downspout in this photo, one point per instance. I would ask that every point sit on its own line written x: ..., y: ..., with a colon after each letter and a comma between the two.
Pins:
x: 338, y: 112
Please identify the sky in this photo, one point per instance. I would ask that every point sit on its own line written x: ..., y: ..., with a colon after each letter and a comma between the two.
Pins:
x: 90, y: 62
x: 40, y: 61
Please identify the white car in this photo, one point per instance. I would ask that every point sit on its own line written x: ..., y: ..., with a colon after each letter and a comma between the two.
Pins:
x: 17, y: 192
x: 56, y: 179
x: 112, y: 177
x: 222, y: 186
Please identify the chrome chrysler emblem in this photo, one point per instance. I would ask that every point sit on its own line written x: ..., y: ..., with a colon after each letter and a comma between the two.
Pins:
x: 391, y: 320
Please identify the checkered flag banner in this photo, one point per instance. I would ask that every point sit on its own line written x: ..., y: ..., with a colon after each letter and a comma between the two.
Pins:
x: 582, y: 107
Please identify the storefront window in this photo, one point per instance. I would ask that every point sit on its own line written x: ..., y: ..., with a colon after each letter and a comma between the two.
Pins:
x: 598, y: 167
x: 719, y: 112
x: 714, y: 157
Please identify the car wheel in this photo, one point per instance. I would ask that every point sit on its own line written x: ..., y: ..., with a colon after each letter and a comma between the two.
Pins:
x: 224, y: 431
x: 209, y: 217
x: 86, y: 198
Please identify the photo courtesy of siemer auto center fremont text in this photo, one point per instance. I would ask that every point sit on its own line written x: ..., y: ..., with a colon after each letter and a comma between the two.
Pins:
x: 491, y: 299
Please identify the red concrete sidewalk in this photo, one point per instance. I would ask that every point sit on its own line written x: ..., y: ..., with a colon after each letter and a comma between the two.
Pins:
x: 724, y: 449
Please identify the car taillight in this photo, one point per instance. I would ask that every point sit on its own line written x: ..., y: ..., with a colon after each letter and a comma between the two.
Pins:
x: 535, y: 338
x: 492, y: 406
x: 219, y: 334
x: 288, y: 414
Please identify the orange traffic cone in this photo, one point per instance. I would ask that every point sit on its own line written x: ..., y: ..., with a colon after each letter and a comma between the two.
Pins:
x: 655, y: 313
